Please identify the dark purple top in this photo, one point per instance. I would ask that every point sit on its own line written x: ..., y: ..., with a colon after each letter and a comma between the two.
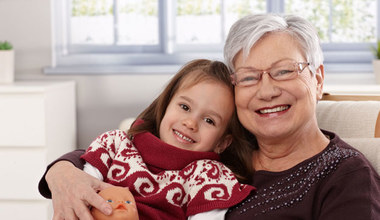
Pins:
x: 338, y: 183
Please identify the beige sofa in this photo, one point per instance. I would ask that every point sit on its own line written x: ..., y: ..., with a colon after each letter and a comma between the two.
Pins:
x: 355, y: 119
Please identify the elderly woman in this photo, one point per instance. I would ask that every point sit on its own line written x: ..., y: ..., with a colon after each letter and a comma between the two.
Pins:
x: 300, y: 172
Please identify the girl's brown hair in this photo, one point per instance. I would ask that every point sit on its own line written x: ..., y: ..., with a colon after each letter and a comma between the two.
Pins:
x: 238, y: 155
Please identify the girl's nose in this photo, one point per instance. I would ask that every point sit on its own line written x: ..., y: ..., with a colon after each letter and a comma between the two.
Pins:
x: 190, y: 123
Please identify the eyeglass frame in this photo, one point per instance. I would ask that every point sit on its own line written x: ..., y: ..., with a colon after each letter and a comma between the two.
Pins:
x: 300, y: 67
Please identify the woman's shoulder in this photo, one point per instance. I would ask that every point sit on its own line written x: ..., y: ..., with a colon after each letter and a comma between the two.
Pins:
x: 350, y: 156
x: 353, y: 167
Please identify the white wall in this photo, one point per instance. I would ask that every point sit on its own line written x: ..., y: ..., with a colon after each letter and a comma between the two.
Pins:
x: 102, y: 100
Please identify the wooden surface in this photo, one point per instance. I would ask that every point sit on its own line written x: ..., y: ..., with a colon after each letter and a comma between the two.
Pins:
x: 344, y: 97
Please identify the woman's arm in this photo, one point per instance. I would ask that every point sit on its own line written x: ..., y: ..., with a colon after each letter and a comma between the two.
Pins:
x: 72, y: 190
x: 73, y: 157
x: 354, y: 195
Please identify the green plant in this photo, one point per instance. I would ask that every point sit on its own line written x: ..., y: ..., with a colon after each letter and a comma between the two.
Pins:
x: 5, y: 45
x: 376, y: 50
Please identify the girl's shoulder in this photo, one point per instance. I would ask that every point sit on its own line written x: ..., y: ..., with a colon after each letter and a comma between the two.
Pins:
x: 113, y: 134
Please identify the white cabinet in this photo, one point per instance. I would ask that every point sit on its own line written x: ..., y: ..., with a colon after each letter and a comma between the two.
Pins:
x: 37, y: 125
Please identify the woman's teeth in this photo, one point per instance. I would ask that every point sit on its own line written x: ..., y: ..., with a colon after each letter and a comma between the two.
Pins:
x: 184, y: 137
x: 272, y: 110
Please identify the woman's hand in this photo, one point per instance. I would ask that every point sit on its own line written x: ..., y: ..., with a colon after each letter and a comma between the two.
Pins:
x: 73, y: 191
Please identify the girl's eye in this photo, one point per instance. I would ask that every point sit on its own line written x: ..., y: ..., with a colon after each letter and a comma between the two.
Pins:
x: 110, y: 200
x: 209, y: 121
x: 184, y: 107
x: 128, y: 202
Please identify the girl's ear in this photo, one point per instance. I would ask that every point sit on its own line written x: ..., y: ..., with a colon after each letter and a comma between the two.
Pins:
x: 223, y: 144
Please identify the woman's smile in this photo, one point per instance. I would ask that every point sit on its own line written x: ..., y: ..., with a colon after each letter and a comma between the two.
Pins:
x: 275, y: 109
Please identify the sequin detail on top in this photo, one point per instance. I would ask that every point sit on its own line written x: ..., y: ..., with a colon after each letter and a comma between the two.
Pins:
x: 290, y: 190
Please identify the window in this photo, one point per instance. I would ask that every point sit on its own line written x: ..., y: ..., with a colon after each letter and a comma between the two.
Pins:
x: 121, y: 36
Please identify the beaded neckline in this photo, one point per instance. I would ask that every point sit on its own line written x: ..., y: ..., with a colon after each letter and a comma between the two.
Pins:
x: 294, y: 186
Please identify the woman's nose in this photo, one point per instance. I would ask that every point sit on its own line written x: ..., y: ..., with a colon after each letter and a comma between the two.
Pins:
x: 190, y: 123
x: 266, y: 89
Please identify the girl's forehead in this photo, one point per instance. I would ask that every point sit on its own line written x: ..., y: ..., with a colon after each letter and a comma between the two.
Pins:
x: 195, y: 77
x: 188, y: 84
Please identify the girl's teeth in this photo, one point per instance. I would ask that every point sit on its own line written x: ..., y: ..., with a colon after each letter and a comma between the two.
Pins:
x: 183, y: 137
x: 277, y: 109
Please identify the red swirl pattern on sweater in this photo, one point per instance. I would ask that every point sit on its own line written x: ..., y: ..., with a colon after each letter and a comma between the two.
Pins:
x: 200, y: 186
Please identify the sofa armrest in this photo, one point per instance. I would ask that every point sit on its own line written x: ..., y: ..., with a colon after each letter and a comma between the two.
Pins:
x: 350, y: 119
x: 377, y: 126
x: 126, y: 123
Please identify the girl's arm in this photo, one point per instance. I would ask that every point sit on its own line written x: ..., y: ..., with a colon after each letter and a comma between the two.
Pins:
x: 216, y: 214
x: 71, y: 157
x: 89, y: 169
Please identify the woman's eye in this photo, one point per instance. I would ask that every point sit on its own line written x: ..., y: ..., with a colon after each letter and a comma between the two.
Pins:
x: 184, y: 107
x: 283, y: 72
x: 249, y: 79
x: 110, y: 200
x: 209, y: 121
x: 247, y: 76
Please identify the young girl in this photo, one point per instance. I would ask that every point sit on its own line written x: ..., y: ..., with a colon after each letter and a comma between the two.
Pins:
x: 169, y: 157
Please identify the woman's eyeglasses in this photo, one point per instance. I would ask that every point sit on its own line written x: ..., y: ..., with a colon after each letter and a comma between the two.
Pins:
x: 286, y: 70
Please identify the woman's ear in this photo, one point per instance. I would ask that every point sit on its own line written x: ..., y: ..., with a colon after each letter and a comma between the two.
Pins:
x: 223, y: 144
x: 320, y: 76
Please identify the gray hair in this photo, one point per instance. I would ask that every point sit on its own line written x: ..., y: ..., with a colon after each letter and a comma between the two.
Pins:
x: 245, y: 32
